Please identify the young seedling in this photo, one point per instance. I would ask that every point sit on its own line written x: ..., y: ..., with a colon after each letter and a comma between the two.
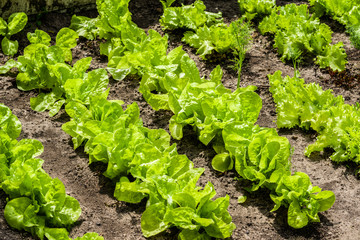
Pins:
x: 242, y: 32
x: 16, y: 23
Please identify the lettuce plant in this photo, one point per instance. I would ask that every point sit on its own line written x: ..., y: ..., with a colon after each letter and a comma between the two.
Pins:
x: 37, y: 203
x: 256, y: 8
x: 15, y: 24
x: 310, y: 107
x: 85, y: 27
x: 135, y: 52
x: 189, y: 17
x: 218, y: 38
x: 209, y: 106
x: 262, y: 157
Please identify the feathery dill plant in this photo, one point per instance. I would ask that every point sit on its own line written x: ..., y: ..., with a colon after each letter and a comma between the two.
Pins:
x: 242, y: 32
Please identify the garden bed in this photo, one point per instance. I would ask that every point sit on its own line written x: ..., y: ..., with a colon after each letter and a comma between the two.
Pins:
x: 112, y: 219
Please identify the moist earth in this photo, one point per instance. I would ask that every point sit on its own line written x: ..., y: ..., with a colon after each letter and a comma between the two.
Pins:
x: 114, y: 220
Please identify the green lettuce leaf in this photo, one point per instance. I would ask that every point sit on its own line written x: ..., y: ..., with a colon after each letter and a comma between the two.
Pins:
x: 9, y: 123
x: 66, y: 39
x: 11, y: 63
x: 9, y: 47
x: 3, y: 27
x: 39, y: 37
x: 16, y: 23
x: 334, y: 57
x: 90, y: 236
x: 85, y: 27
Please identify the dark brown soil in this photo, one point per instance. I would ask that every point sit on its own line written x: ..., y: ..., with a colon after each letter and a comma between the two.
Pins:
x: 114, y: 220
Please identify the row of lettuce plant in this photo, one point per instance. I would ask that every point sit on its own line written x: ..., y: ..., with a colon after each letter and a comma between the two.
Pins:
x: 307, y: 105
x: 346, y: 12
x: 226, y: 120
x: 37, y: 203
x: 310, y: 107
x: 130, y: 50
x: 223, y: 118
x: 298, y: 35
x: 145, y: 165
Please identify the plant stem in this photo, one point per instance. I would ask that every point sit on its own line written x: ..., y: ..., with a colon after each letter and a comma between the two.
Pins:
x: 239, y: 73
